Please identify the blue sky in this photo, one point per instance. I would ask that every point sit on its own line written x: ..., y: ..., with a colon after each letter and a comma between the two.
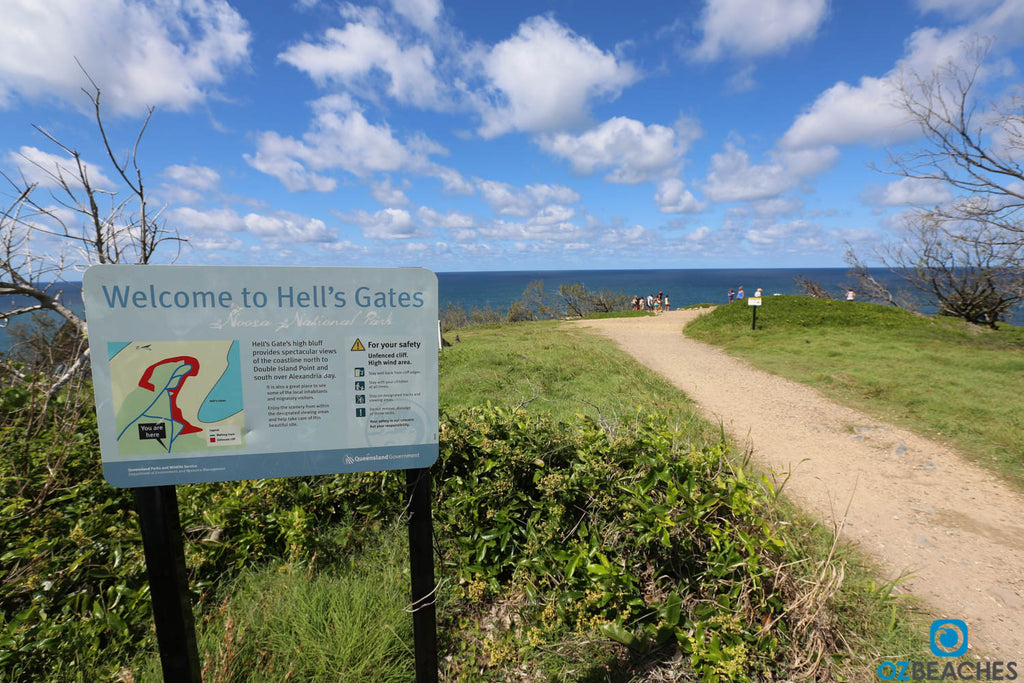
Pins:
x: 498, y: 136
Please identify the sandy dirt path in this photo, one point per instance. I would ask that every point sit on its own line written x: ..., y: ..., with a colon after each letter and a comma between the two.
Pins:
x: 917, y: 507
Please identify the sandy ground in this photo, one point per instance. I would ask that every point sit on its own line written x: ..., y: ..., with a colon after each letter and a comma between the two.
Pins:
x: 951, y: 529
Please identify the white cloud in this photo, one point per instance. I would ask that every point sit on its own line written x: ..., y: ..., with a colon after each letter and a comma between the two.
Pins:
x: 957, y: 9
x: 188, y: 184
x: 218, y: 242
x: 673, y: 197
x: 46, y: 170
x: 807, y: 162
x: 386, y: 224
x: 214, y: 220
x: 543, y: 78
x: 795, y: 235
x: 748, y: 28
x: 422, y: 14
x: 543, y: 229
x: 846, y: 114
x: 168, y: 54
x: 388, y: 195
x: 280, y: 227
x: 869, y: 113
x: 732, y: 178
x: 909, y: 192
x: 451, y: 179
x: 618, y: 237
x: 195, y: 177
x: 699, y: 235
x: 776, y: 206
x: 455, y: 220
x: 340, y: 137
x: 508, y: 200
x: 353, y: 54
x: 635, y: 152
x: 287, y: 227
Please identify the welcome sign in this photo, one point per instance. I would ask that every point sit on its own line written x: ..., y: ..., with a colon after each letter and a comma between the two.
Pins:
x: 210, y: 373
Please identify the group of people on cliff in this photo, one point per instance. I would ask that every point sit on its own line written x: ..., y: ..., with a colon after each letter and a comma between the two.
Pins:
x: 739, y: 295
x: 650, y: 302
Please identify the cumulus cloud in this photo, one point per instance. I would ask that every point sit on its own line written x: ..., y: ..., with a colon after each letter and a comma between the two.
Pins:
x: 634, y: 152
x: 352, y: 55
x: 795, y: 236
x: 957, y: 9
x: 733, y: 178
x: 195, y: 177
x: 749, y: 28
x: 508, y: 200
x: 287, y: 227
x: 188, y: 184
x: 455, y: 220
x: 280, y: 227
x: 388, y: 195
x: 340, y: 137
x: 544, y: 77
x: 543, y: 228
x: 869, y: 113
x: 673, y: 197
x: 422, y: 14
x: 850, y: 114
x: 168, y: 54
x: 699, y: 235
x: 48, y: 170
x: 386, y: 224
x: 909, y: 192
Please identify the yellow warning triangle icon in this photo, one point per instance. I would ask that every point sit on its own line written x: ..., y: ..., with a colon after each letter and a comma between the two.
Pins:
x: 358, y: 346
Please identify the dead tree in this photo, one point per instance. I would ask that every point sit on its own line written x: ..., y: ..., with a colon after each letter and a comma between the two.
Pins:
x: 964, y: 255
x: 51, y: 231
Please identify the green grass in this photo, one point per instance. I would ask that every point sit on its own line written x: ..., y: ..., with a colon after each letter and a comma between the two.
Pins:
x: 940, y: 377
x: 284, y: 623
x: 549, y: 368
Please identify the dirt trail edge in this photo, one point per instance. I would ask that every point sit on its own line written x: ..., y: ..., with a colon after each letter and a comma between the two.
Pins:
x: 914, y: 505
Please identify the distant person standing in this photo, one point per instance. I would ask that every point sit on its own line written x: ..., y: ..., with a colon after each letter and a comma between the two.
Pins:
x: 667, y: 305
x: 758, y: 293
x: 850, y: 295
x: 740, y: 294
x: 732, y: 295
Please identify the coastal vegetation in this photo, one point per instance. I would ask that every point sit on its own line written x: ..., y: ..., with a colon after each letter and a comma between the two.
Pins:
x: 537, y: 303
x: 589, y: 527
x: 937, y: 375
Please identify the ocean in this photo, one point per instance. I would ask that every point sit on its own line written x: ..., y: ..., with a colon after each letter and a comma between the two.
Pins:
x: 686, y: 287
x: 498, y: 289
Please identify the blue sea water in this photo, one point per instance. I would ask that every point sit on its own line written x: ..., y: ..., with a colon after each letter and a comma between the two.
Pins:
x: 684, y: 287
x: 498, y: 289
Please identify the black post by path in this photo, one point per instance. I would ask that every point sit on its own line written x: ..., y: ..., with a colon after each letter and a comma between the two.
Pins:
x: 753, y: 324
x: 418, y: 485
x: 168, y: 583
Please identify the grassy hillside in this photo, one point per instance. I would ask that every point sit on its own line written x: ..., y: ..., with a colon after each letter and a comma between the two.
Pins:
x: 588, y: 527
x: 939, y: 376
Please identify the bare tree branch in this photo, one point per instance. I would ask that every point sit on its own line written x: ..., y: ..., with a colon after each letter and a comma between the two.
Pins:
x: 40, y: 244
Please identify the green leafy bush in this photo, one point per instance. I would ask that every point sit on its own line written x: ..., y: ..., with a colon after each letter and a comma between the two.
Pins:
x: 632, y: 536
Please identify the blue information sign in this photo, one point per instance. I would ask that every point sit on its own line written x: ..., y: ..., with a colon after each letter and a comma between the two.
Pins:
x: 212, y: 373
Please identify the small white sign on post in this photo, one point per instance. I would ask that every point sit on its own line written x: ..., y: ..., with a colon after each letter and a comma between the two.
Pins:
x: 754, y: 301
x: 211, y: 373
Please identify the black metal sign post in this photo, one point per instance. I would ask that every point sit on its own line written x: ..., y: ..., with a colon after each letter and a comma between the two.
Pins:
x: 418, y: 485
x: 753, y: 324
x: 168, y: 583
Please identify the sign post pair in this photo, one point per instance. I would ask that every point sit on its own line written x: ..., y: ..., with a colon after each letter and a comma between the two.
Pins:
x: 207, y: 374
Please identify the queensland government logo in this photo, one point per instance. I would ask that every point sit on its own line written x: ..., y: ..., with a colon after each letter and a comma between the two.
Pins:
x: 947, y: 639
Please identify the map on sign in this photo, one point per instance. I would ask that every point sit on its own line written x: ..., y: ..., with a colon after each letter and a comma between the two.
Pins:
x: 177, y: 397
